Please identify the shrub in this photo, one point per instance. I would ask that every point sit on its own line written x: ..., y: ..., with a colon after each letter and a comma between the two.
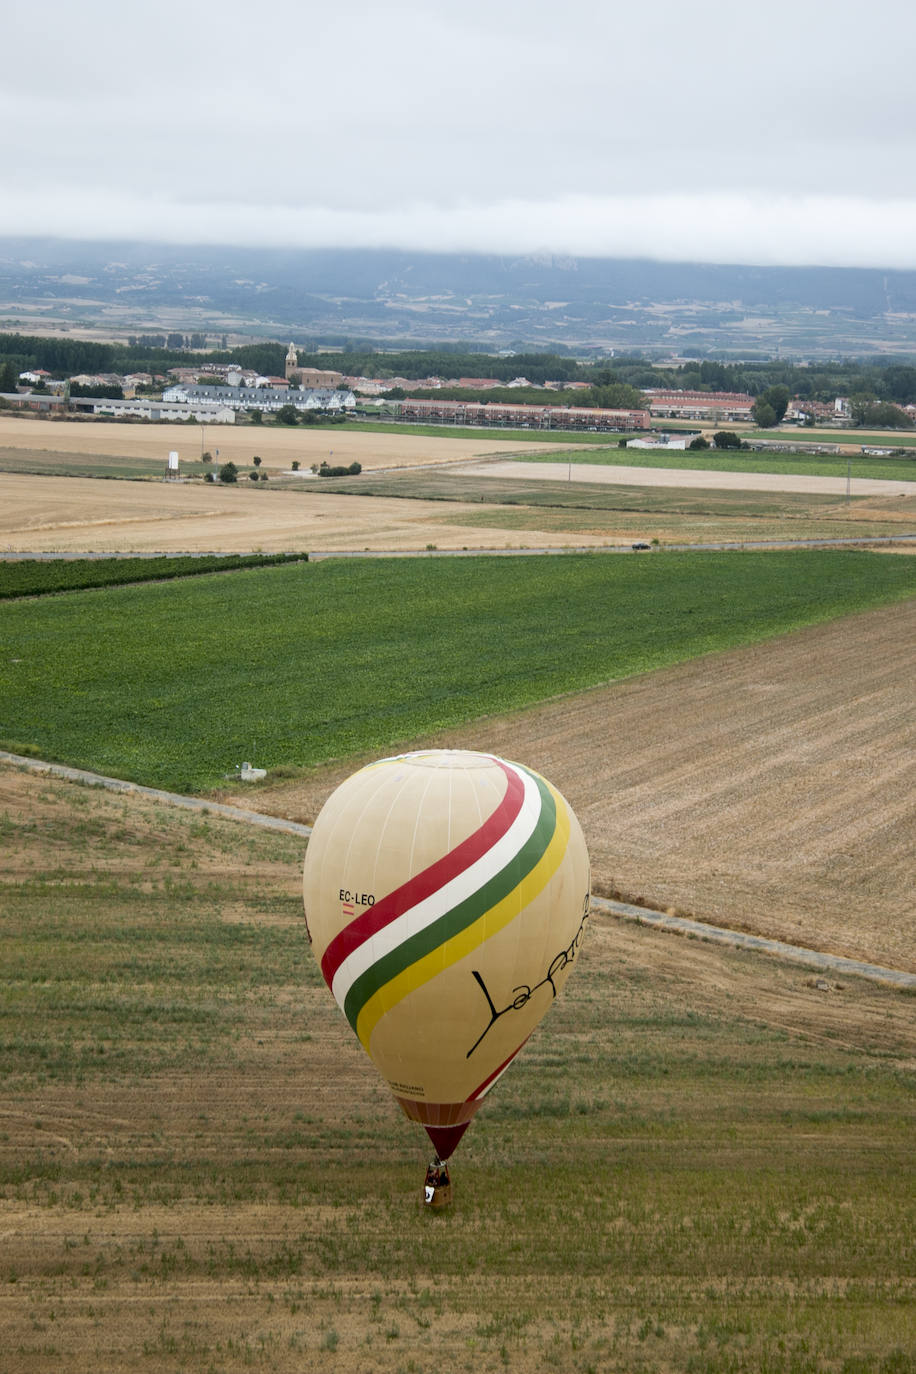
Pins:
x: 325, y: 470
x: 228, y: 473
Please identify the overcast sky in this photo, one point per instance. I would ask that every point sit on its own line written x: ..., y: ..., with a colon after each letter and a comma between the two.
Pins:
x: 782, y: 132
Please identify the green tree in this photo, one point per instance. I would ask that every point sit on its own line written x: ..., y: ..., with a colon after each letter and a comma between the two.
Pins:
x: 256, y: 460
x: 616, y: 396
x: 776, y: 400
x: 287, y: 415
x: 726, y: 438
x: 228, y: 473
x: 108, y: 391
x: 872, y: 413
x: 898, y: 384
x: 699, y: 442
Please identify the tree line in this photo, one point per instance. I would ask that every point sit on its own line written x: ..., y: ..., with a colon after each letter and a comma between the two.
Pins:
x: 612, y: 384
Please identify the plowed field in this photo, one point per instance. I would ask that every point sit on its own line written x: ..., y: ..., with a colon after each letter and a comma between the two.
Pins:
x: 771, y: 788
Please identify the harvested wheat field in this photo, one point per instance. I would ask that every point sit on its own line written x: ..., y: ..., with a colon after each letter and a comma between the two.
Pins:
x: 278, y: 447
x: 77, y: 515
x: 769, y: 788
x: 200, y: 1170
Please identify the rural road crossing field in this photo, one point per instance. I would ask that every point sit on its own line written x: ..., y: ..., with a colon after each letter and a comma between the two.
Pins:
x: 832, y: 963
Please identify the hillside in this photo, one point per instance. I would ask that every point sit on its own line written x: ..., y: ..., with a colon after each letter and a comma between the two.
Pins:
x: 497, y: 302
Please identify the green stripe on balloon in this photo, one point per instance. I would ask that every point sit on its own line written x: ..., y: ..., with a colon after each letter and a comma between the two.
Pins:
x: 459, y: 917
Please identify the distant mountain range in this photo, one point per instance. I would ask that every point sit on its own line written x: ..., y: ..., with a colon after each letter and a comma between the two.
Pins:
x: 584, y: 305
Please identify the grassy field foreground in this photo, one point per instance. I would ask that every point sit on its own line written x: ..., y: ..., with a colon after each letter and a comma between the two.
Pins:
x: 175, y: 684
x: 702, y: 1162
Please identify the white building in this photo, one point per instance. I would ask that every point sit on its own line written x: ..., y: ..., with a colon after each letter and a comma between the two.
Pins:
x: 145, y: 408
x: 264, y: 398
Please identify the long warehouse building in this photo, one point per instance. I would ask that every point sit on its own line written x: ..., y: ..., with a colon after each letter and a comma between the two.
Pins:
x: 522, y: 416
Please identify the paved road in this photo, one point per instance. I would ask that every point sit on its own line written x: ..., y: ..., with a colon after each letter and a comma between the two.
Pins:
x: 810, y: 958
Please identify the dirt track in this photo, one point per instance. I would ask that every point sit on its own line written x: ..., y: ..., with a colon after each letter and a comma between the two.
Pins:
x: 771, y: 788
x: 688, y: 478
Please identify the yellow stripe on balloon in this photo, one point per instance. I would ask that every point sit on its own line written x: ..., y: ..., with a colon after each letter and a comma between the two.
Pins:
x: 466, y: 941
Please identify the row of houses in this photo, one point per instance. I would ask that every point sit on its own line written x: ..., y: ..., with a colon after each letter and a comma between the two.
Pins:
x: 700, y: 405
x: 521, y: 416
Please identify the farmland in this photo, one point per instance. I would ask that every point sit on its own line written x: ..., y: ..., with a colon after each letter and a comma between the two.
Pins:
x: 73, y: 514
x: 513, y: 502
x: 300, y: 664
x: 890, y: 468
x: 48, y: 503
x: 278, y: 446
x: 701, y: 1162
x: 30, y: 577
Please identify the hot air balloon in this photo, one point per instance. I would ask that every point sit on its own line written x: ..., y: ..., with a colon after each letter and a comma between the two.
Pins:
x: 446, y: 896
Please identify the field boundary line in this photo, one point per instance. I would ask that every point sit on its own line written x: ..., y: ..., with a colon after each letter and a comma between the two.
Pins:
x: 797, y: 954
x: 82, y: 775
x: 681, y: 925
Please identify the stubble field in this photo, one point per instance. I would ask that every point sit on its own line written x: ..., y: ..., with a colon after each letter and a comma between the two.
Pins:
x: 276, y: 445
x: 700, y: 1162
x: 76, y: 515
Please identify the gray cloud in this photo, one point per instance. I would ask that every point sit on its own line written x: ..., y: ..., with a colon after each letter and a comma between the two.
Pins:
x: 715, y: 132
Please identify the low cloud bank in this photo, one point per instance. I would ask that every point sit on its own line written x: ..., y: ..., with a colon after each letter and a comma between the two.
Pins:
x: 728, y: 228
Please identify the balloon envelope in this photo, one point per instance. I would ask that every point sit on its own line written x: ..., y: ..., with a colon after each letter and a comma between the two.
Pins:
x: 446, y: 895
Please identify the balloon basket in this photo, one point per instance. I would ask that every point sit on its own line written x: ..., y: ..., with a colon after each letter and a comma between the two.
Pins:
x: 437, y: 1189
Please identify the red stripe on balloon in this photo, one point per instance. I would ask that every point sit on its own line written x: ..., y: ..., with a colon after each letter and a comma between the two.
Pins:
x: 423, y: 885
x: 478, y: 1091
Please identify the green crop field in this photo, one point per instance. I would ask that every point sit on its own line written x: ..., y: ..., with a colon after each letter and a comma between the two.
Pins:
x: 41, y: 577
x: 701, y: 1164
x: 176, y: 684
